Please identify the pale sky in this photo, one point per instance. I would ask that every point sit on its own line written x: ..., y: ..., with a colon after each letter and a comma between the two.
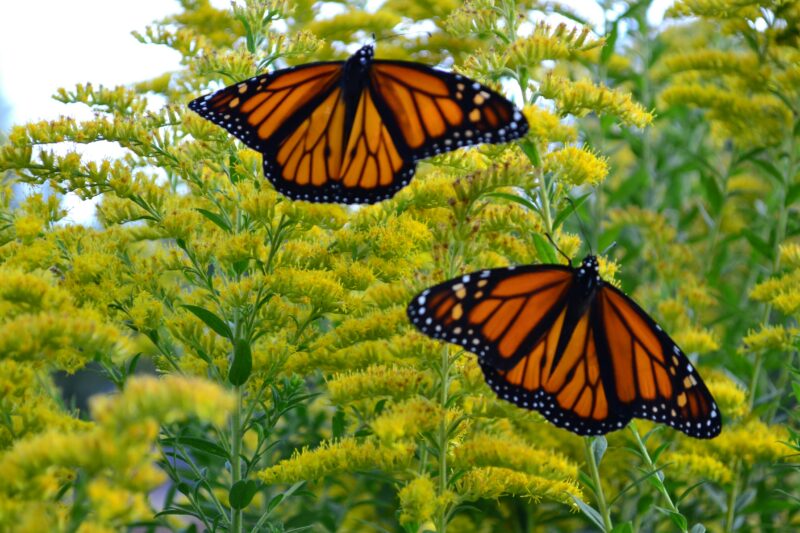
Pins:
x: 47, y: 44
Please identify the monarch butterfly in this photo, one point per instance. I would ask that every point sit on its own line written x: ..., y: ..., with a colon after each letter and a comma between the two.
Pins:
x: 562, y: 341
x: 352, y: 131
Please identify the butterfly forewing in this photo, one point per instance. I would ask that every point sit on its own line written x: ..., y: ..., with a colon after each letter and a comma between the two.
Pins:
x: 264, y: 109
x: 435, y: 111
x: 588, y: 360
x: 498, y: 314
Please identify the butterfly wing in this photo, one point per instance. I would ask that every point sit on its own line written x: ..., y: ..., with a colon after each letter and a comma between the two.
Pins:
x: 652, y: 378
x: 294, y: 117
x: 430, y: 111
x: 315, y: 164
x: 499, y: 314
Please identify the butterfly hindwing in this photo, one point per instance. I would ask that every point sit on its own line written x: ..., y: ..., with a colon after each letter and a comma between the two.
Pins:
x: 435, y: 111
x: 321, y: 161
x: 652, y: 376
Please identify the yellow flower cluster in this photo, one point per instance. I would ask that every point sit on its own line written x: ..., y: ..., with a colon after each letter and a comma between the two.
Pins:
x: 335, y: 457
x: 582, y: 97
x: 377, y: 381
x: 576, y: 166
x: 116, y: 452
x: 502, y: 451
x: 493, y: 482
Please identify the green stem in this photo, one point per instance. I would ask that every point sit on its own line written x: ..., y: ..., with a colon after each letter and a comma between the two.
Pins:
x: 441, y: 526
x: 652, y: 469
x: 780, y: 234
x: 544, y: 198
x: 605, y: 512
x: 236, y: 452
x: 730, y: 514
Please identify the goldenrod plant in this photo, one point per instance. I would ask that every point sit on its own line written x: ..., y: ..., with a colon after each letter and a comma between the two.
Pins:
x: 292, y: 392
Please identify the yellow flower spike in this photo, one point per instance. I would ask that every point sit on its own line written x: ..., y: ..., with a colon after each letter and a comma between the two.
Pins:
x: 582, y: 97
x: 345, y: 455
x: 790, y: 255
x: 696, y: 340
x: 375, y: 325
x: 546, y: 127
x: 376, y: 381
x: 486, y: 450
x: 576, y: 166
x: 417, y: 501
x: 773, y: 287
x: 788, y: 302
x: 750, y: 443
x: 714, y: 8
x: 165, y: 400
x: 493, y: 482
x: 547, y: 42
x: 146, y: 313
x: 116, y: 505
x: 406, y: 420
x: 731, y: 398
x: 692, y: 466
x: 68, y: 339
x: 317, y: 288
x: 769, y: 337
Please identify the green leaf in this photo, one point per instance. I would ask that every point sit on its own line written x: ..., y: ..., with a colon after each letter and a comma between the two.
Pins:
x: 532, y: 152
x: 215, y: 218
x: 513, y: 198
x: 599, y: 447
x: 242, y: 492
x: 198, y: 444
x: 242, y: 363
x: 759, y: 244
x: 611, y: 41
x: 590, y: 513
x: 792, y: 194
x: 625, y: 527
x: 211, y: 320
x: 566, y: 212
x: 544, y: 250
x: 338, y: 424
x: 679, y: 520
x: 770, y: 169
x: 698, y: 528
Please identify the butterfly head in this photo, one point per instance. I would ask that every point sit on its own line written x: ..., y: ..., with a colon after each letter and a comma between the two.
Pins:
x: 365, y: 54
x: 589, y: 271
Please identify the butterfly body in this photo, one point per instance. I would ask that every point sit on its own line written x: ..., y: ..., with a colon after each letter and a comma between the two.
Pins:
x: 352, y: 131
x: 566, y: 343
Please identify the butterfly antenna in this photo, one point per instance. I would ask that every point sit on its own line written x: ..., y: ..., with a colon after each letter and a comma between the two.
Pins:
x: 580, y: 224
x: 400, y: 34
x: 549, y: 238
x: 609, y: 247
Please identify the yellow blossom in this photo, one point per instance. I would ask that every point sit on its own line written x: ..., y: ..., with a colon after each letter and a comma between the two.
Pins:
x: 581, y: 97
x: 576, y: 166
x: 417, y: 501
x: 376, y: 381
x: 486, y: 450
x: 494, y: 482
x: 696, y: 340
x: 693, y: 466
x: 346, y: 455
x: 769, y: 337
